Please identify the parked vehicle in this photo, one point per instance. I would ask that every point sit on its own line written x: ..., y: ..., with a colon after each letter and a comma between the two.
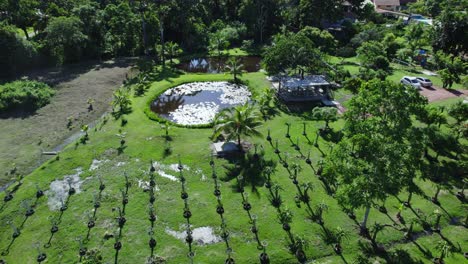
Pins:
x: 412, y: 81
x: 424, y: 82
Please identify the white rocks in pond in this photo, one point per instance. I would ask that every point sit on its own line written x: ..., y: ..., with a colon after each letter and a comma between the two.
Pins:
x: 58, y: 189
x: 204, y: 112
x: 222, y: 87
x: 96, y: 164
x: 195, y: 114
x: 201, y: 235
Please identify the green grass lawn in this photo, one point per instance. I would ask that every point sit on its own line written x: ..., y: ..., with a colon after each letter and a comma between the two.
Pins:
x: 145, y: 142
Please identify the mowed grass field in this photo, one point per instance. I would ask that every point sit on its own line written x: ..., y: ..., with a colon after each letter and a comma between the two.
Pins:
x: 145, y: 142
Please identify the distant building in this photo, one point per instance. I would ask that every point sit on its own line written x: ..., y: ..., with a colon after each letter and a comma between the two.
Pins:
x: 389, y: 5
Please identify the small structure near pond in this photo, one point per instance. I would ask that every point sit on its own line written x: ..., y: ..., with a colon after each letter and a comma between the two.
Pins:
x: 313, y: 88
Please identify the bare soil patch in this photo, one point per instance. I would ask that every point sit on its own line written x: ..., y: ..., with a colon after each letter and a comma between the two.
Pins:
x: 436, y: 93
x: 24, y: 136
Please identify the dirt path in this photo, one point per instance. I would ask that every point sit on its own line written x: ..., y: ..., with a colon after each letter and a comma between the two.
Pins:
x: 437, y: 94
x: 24, y: 137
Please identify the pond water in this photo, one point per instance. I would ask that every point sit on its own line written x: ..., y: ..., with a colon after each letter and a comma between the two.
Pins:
x: 217, y: 65
x: 198, y: 103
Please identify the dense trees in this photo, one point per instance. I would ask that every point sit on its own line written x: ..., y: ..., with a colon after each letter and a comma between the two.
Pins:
x: 137, y: 27
x: 64, y: 38
x: 16, y: 53
x: 293, y: 52
x: 299, y: 32
x: 450, y: 32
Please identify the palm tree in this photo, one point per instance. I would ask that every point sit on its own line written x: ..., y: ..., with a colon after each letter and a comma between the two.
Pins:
x: 234, y: 67
x: 241, y: 120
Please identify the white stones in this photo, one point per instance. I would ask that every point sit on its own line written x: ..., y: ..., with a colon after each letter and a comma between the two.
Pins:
x: 204, y: 112
x: 201, y: 235
x: 145, y: 185
x: 96, y: 164
x: 58, y: 190
x: 163, y: 169
x: 165, y: 175
x: 195, y: 114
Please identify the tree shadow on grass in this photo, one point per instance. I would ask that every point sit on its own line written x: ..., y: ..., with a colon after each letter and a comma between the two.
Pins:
x: 252, y: 166
x: 402, y: 256
x: 332, y: 136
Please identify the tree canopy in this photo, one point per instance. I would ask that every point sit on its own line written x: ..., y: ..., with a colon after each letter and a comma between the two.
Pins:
x: 380, y: 151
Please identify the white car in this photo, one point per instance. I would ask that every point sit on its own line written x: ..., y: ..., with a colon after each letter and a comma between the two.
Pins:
x: 424, y: 82
x: 412, y: 81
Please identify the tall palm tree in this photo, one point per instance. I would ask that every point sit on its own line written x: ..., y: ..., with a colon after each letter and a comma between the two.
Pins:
x: 242, y: 120
x: 234, y: 66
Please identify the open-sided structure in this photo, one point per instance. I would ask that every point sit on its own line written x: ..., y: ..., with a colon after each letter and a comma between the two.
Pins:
x: 314, y: 88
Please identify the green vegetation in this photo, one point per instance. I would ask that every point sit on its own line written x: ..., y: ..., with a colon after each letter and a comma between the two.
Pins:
x: 380, y: 178
x: 145, y: 141
x: 233, y: 123
x: 28, y: 95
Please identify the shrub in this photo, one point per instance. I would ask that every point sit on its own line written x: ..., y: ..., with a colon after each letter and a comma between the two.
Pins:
x: 29, y: 95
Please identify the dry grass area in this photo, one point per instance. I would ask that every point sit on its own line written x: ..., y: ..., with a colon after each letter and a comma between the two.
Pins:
x: 26, y: 135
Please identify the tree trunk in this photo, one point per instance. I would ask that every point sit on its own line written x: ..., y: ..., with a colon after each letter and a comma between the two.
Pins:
x: 25, y: 32
x: 163, y: 57
x: 366, y: 216
x: 261, y: 34
x: 409, y: 197
x: 436, y: 196
x: 145, y: 38
x: 239, y: 144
